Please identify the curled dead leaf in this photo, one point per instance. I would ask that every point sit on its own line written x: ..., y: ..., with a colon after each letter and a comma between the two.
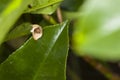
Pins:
x: 36, y: 31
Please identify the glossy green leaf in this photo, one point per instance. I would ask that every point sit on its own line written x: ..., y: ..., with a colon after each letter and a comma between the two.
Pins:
x: 97, y: 32
x: 10, y: 11
x: 43, y: 6
x: 44, y: 59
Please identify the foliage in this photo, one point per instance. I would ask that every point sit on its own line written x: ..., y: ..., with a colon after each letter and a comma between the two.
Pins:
x: 94, y: 31
x: 98, y: 34
x: 34, y: 60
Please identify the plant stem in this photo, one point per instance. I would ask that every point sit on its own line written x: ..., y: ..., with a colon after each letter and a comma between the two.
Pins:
x: 59, y: 15
x: 50, y: 19
x: 105, y: 71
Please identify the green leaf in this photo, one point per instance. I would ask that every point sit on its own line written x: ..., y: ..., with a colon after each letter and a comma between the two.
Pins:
x: 44, y: 59
x: 43, y: 6
x: 21, y: 30
x: 98, y: 30
x: 10, y: 11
